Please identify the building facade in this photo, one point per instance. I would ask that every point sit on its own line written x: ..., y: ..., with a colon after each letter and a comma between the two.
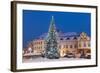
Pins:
x: 67, y: 43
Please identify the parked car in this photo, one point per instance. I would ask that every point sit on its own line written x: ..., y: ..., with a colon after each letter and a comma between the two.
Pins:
x: 70, y: 55
x: 88, y: 56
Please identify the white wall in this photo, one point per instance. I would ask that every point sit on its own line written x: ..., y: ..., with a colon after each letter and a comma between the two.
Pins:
x: 5, y: 37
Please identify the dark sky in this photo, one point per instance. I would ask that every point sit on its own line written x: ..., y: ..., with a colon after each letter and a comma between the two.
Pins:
x: 36, y: 23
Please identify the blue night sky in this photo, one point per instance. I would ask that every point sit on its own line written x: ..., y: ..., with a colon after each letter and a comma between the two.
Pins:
x: 36, y: 23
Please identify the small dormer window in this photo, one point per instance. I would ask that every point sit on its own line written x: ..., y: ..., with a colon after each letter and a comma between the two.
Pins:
x: 67, y: 38
x: 74, y: 38
x: 61, y: 38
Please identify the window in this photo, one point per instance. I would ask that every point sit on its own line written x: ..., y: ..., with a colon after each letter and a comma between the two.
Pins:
x: 88, y: 44
x: 74, y: 38
x: 79, y: 45
x: 63, y: 52
x: 75, y: 46
x: 67, y: 38
x: 61, y: 38
x: 70, y: 46
x: 39, y: 42
x: 59, y: 46
x: 84, y: 44
x: 66, y: 46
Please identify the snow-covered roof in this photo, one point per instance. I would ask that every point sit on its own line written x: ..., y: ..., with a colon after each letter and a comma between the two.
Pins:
x: 61, y: 35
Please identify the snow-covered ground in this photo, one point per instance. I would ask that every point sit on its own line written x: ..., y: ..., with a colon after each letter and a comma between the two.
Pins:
x: 40, y: 59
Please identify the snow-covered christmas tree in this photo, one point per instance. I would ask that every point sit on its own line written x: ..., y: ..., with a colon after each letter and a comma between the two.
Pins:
x: 51, y: 48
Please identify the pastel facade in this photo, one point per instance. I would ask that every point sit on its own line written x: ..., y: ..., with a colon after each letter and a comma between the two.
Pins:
x: 84, y: 44
x: 38, y: 47
x: 70, y: 42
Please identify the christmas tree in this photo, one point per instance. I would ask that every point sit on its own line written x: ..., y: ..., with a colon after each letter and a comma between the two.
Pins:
x: 51, y: 48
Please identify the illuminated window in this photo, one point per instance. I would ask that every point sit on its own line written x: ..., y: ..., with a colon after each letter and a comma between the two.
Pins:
x: 88, y: 44
x: 79, y: 45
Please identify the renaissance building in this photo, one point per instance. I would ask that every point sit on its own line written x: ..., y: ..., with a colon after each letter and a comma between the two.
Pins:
x: 69, y: 43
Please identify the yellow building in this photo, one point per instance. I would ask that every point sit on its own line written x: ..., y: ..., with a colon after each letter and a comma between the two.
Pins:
x: 84, y: 44
x: 38, y: 46
x: 68, y: 45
